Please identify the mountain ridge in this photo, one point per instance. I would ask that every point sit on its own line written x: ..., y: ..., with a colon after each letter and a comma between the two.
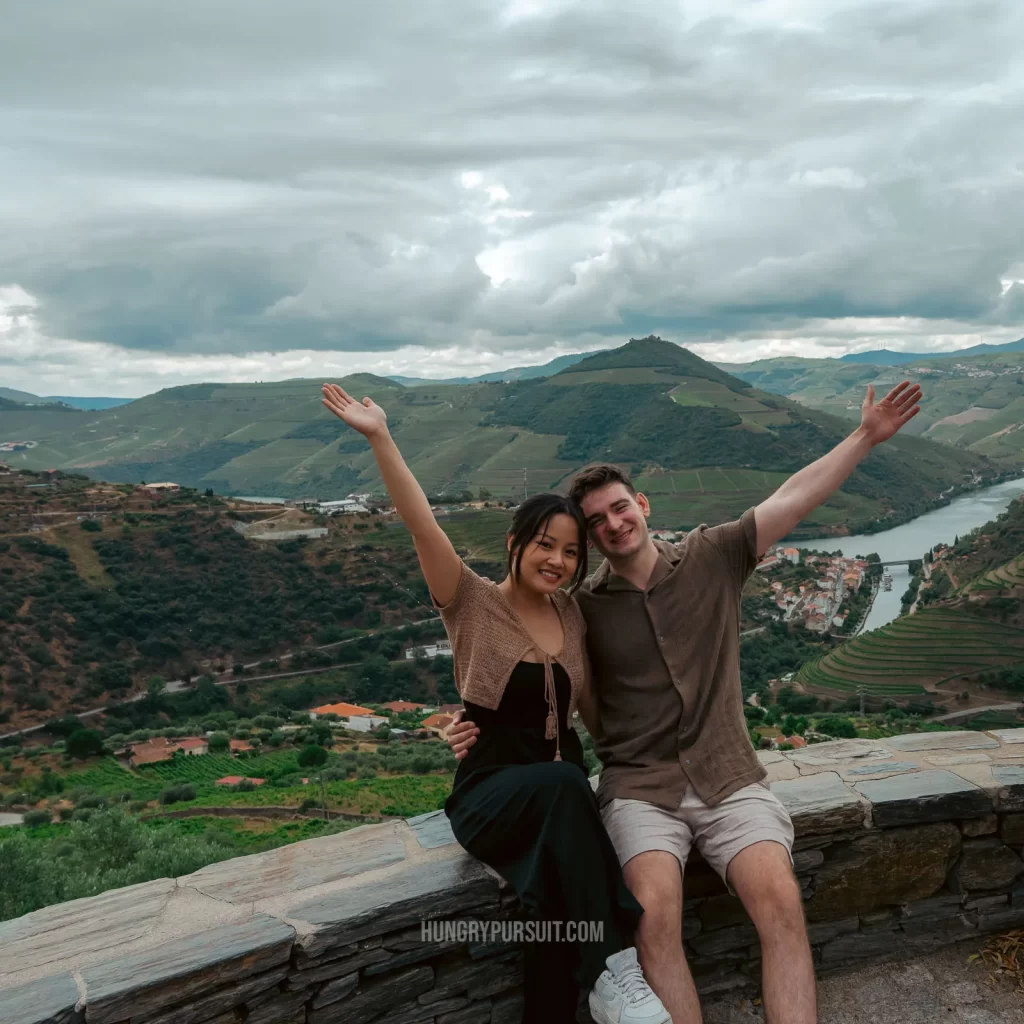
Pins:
x: 705, y: 442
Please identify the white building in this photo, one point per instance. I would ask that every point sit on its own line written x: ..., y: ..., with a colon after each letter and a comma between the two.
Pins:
x: 442, y: 647
x: 346, y: 506
x: 365, y: 723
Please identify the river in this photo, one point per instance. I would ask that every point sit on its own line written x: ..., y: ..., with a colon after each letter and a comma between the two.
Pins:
x: 913, y: 539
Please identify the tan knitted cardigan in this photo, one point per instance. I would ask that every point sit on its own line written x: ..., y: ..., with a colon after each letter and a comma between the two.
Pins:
x: 489, y: 639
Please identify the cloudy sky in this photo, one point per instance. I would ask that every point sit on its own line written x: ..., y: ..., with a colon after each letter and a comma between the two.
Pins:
x: 256, y: 190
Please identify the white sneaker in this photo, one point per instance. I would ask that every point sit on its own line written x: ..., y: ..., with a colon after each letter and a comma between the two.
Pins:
x: 622, y: 996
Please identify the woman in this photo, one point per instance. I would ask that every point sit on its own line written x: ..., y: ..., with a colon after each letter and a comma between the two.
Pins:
x: 521, y: 801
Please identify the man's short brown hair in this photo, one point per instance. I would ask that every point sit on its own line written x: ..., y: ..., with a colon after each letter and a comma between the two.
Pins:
x: 596, y: 475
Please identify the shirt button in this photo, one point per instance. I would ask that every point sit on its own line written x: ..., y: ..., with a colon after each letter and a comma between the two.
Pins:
x: 687, y: 760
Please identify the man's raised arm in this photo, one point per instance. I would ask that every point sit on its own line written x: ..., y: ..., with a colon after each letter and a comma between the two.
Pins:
x: 777, y: 515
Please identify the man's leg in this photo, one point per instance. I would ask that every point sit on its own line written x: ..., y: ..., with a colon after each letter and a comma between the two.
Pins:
x: 762, y: 876
x: 656, y: 881
x: 652, y: 845
x: 747, y: 839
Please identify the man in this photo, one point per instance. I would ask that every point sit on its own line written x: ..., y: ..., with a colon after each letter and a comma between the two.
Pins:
x: 679, y: 769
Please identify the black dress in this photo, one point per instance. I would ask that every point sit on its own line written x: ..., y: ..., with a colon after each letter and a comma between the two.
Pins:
x: 536, y: 822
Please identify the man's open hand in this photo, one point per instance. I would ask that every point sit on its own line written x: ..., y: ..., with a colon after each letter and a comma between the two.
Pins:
x: 461, y: 735
x: 880, y: 421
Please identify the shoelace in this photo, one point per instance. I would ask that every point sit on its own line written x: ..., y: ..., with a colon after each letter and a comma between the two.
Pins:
x: 631, y: 982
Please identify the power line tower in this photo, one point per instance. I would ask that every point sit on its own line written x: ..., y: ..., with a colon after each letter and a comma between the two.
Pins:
x: 861, y: 694
x: 526, y: 491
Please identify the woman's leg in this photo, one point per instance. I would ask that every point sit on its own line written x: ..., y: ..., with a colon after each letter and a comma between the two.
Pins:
x: 550, y: 991
x: 539, y: 827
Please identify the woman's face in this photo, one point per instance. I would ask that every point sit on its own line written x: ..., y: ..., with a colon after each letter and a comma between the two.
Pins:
x: 549, y: 559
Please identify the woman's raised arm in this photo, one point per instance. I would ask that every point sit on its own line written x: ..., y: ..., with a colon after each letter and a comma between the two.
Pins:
x: 439, y: 561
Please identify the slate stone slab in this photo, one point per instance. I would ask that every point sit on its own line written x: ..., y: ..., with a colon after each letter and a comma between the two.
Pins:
x: 427, y: 951
x: 943, y: 906
x: 82, y: 926
x: 302, y: 962
x: 432, y: 829
x: 980, y: 826
x: 963, y: 740
x: 923, y: 796
x: 413, y: 1013
x: 1010, y: 779
x: 1008, y: 735
x: 376, y: 997
x: 986, y: 864
x: 937, y: 933
x: 964, y: 757
x: 477, y: 978
x: 47, y: 1001
x: 178, y: 971
x: 335, y: 990
x: 437, y: 889
x: 736, y: 937
x: 1011, y: 831
x: 883, y: 868
x: 336, y: 968
x: 860, y: 946
x: 825, y: 931
x: 1002, y: 921
x: 222, y: 1000
x: 806, y: 860
x: 286, y: 1007
x: 820, y: 803
x: 885, y: 766
x: 300, y: 865
x: 840, y: 752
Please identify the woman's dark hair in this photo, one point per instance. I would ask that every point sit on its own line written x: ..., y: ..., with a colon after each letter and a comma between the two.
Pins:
x: 532, y: 517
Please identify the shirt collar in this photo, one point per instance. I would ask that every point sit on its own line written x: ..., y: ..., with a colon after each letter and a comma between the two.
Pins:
x: 668, y: 556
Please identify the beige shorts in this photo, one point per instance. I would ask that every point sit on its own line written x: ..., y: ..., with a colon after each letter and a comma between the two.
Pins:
x: 751, y: 815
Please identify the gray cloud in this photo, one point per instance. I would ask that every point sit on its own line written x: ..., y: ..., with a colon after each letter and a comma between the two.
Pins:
x: 245, y: 176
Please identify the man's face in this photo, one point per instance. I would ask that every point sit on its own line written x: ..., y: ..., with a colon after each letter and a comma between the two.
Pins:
x: 616, y: 520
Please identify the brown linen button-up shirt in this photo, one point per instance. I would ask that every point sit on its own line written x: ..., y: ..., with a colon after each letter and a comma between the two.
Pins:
x: 666, y: 670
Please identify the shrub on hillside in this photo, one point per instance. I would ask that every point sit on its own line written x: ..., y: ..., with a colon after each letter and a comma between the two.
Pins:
x: 177, y: 794
x: 84, y: 743
x: 218, y: 742
x: 836, y: 725
x: 109, y: 851
x: 33, y: 819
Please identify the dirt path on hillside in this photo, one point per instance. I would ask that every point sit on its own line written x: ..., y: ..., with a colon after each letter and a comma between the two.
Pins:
x: 82, y: 554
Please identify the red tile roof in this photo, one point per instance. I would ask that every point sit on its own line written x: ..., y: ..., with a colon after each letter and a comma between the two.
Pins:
x: 342, y: 710
x: 192, y: 743
x: 437, y: 721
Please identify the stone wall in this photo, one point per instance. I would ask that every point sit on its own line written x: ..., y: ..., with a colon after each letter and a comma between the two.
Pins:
x: 902, y: 845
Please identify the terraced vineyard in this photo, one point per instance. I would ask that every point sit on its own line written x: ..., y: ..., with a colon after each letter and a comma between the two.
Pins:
x: 915, y: 653
x: 210, y: 767
x: 1005, y: 577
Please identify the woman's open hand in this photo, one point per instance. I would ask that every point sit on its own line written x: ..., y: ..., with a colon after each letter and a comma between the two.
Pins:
x: 366, y: 417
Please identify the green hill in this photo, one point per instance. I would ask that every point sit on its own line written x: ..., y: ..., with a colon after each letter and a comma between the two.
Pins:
x: 20, y: 397
x: 703, y: 443
x: 974, y: 401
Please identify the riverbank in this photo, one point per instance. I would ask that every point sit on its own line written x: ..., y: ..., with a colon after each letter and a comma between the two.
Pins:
x: 912, y: 539
x: 873, y: 527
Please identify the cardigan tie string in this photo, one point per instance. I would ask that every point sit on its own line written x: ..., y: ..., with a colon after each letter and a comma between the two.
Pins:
x: 552, y: 727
